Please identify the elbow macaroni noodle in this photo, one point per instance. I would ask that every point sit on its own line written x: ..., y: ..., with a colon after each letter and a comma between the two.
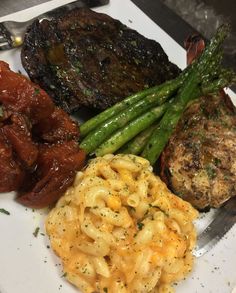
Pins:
x: 118, y: 229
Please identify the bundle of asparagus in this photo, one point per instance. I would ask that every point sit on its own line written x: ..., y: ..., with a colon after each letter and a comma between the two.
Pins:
x: 143, y: 123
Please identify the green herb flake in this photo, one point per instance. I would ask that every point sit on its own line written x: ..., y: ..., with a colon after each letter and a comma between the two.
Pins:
x: 3, y: 211
x: 64, y: 275
x: 77, y: 70
x: 134, y: 43
x: 211, y: 172
x: 87, y: 92
x: 137, y: 61
x: 36, y: 91
x: 217, y: 162
x: 105, y: 290
x: 140, y: 225
x: 36, y: 232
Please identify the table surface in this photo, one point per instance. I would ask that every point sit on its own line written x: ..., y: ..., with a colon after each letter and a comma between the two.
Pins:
x: 10, y: 6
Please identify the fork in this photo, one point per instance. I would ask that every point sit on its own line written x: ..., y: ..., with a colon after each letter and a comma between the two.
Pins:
x: 12, y: 32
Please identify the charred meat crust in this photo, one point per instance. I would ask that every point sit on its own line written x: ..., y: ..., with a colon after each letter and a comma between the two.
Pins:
x: 199, y: 162
x: 86, y: 58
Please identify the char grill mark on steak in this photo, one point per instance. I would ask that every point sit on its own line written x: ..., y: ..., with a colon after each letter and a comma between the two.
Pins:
x: 199, y: 162
x: 90, y: 59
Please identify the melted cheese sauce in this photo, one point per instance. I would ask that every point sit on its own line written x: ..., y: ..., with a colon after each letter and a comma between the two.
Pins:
x: 119, y: 229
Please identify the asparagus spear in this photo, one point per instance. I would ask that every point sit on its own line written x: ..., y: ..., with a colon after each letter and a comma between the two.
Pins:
x: 137, y: 144
x: 226, y: 78
x: 93, y: 123
x: 104, y: 130
x: 97, y: 121
x: 168, y: 123
x: 125, y: 134
x: 202, y: 76
x: 171, y: 117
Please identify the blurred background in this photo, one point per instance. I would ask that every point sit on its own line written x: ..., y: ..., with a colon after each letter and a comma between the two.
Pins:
x: 205, y: 16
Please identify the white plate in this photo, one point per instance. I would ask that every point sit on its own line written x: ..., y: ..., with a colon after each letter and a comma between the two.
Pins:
x: 27, y: 264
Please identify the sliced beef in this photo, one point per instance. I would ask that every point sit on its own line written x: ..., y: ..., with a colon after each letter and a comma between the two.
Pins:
x: 86, y: 58
x: 199, y: 162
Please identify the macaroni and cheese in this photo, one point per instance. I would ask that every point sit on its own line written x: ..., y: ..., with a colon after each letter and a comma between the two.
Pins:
x: 118, y: 229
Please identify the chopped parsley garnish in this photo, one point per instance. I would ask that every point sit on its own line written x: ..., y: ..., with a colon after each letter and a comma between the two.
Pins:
x: 217, y: 162
x: 64, y: 275
x: 3, y: 211
x: 36, y: 232
x: 105, y: 290
x: 140, y: 225
x: 87, y: 92
x: 211, y: 172
x: 36, y: 91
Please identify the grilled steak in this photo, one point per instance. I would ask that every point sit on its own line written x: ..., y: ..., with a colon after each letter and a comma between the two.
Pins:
x: 199, y: 162
x: 86, y: 58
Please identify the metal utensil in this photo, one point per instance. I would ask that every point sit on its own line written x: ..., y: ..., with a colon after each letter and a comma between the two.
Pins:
x: 12, y: 32
x: 224, y: 220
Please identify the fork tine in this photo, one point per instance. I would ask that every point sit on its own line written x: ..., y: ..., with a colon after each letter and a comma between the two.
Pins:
x: 5, y: 46
x: 4, y: 32
x: 5, y: 38
x: 2, y: 39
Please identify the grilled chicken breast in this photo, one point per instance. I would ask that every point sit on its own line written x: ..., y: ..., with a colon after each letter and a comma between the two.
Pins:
x: 86, y: 58
x: 199, y: 162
